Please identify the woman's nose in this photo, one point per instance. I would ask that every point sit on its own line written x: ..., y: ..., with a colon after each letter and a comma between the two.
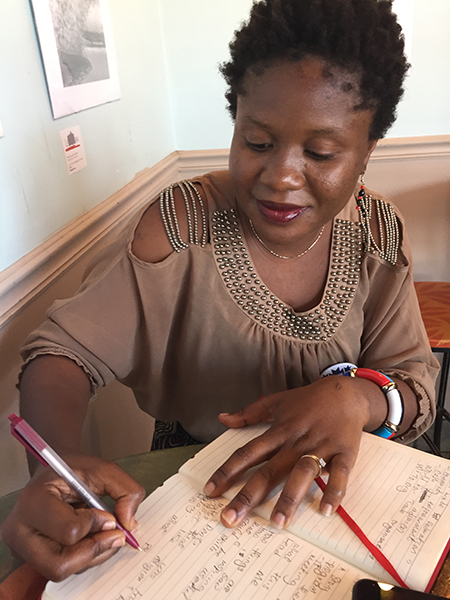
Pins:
x: 284, y: 171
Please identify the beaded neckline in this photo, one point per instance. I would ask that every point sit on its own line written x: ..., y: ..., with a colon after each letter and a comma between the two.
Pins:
x: 256, y: 300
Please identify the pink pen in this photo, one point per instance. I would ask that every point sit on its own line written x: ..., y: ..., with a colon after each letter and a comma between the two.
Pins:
x: 48, y: 457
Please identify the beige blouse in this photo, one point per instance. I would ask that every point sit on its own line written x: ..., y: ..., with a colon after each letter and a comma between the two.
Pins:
x: 199, y: 333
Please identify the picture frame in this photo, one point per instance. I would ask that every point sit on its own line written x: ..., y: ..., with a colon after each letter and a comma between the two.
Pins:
x: 78, y: 54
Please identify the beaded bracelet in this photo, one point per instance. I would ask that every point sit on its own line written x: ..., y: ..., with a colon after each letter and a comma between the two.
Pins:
x: 393, y: 396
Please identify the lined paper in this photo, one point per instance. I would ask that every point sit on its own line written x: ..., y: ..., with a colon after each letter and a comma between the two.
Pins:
x: 189, y: 555
x: 397, y: 495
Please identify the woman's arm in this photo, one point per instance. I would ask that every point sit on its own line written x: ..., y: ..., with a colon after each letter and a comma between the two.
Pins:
x: 54, y: 396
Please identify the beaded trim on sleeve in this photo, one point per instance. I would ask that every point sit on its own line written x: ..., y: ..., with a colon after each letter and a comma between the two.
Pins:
x: 253, y: 297
x: 389, y: 239
x: 191, y: 197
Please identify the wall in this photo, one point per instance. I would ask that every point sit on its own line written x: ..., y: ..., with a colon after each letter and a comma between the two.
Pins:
x: 424, y: 109
x: 194, y: 53
x: 37, y: 195
x: 172, y: 98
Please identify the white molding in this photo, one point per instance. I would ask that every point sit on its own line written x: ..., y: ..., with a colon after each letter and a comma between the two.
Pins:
x: 412, y: 148
x: 199, y: 162
x: 24, y: 280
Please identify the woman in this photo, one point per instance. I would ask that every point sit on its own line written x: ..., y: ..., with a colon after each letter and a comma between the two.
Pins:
x: 247, y: 283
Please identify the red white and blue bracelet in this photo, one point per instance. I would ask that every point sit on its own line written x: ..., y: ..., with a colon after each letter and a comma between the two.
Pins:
x: 389, y: 388
x: 393, y: 397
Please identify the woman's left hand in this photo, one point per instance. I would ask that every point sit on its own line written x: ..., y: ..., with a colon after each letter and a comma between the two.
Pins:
x: 325, y: 419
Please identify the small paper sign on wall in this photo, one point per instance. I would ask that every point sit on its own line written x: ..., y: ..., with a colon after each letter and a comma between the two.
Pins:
x: 73, y: 149
x: 77, y: 51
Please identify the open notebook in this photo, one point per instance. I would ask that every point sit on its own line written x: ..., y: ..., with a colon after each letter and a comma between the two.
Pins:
x: 398, y: 496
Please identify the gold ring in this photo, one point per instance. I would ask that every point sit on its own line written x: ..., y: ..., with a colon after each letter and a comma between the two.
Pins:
x: 319, y: 462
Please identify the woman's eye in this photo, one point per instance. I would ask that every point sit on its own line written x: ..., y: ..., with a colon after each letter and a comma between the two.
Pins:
x: 319, y: 156
x: 257, y: 147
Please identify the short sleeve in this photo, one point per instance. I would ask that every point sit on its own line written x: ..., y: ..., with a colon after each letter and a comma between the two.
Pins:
x: 97, y: 328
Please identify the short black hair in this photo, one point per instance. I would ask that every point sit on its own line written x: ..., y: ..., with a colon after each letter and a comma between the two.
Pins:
x: 357, y: 36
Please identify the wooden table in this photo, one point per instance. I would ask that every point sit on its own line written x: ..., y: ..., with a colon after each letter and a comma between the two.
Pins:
x: 22, y: 582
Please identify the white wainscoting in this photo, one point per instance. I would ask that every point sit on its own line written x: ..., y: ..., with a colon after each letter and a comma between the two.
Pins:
x: 413, y: 172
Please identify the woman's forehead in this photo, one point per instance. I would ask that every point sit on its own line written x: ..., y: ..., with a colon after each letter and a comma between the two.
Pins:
x: 312, y: 74
x: 309, y: 94
x: 299, y: 85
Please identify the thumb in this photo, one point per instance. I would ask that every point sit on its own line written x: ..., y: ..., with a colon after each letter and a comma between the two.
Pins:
x: 126, y: 493
x: 260, y: 411
x: 125, y: 509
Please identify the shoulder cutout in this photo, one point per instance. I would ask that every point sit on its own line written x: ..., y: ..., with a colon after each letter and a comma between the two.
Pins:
x: 177, y: 220
x: 381, y: 228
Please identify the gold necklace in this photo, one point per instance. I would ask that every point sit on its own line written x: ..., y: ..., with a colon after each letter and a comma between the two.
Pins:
x: 280, y: 255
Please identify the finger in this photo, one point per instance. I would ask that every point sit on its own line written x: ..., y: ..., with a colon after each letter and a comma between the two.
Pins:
x: 107, y: 545
x: 253, y: 453
x: 103, y: 478
x: 339, y: 469
x: 295, y: 489
x: 260, y: 484
x: 256, y: 489
x: 127, y: 501
x: 59, y: 562
x: 260, y: 411
x: 52, y: 559
x: 59, y: 520
x: 125, y: 510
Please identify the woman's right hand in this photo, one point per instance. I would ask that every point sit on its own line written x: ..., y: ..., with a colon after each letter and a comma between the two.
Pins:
x: 53, y: 531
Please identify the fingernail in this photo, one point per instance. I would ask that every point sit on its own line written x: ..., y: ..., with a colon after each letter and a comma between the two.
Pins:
x: 134, y: 523
x: 108, y: 525
x: 278, y: 520
x: 229, y: 516
x: 327, y: 509
x: 224, y: 414
x: 118, y: 542
x: 209, y: 488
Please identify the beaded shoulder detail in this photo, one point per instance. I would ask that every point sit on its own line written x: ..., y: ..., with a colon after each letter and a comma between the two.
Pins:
x: 195, y: 211
x: 387, y: 226
x: 258, y: 302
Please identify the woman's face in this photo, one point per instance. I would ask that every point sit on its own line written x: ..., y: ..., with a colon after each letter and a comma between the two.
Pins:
x: 297, y: 150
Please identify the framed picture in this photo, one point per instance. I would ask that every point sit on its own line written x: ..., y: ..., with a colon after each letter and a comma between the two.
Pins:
x: 75, y: 37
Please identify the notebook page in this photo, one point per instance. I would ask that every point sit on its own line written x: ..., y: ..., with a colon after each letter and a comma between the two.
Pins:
x: 399, y: 497
x: 189, y: 555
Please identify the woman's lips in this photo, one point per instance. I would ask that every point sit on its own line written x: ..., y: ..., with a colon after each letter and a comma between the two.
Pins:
x: 280, y: 213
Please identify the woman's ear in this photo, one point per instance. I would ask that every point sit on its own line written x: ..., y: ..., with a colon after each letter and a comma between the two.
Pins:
x: 371, y: 147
